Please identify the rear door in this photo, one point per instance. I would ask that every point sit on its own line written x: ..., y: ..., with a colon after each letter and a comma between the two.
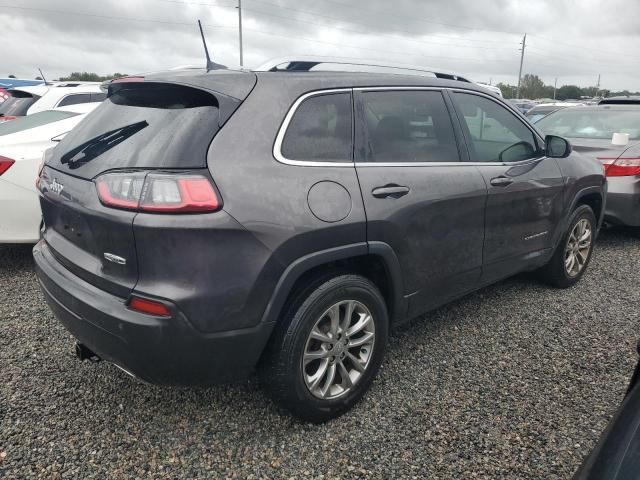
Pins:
x: 419, y: 197
x: 525, y: 202
x: 140, y: 128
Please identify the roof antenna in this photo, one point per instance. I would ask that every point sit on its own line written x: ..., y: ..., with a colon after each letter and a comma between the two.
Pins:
x: 210, y: 65
x: 42, y: 76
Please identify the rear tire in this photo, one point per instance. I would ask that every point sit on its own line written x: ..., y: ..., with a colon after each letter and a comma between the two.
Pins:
x: 328, y: 347
x: 573, y: 254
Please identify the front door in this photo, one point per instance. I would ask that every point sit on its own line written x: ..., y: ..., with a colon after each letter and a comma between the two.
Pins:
x: 524, y: 206
x: 419, y: 197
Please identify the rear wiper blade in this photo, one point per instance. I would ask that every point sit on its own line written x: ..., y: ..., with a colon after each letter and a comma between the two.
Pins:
x: 95, y: 147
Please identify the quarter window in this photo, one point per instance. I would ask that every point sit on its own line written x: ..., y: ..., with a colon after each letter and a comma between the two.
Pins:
x: 75, y: 99
x: 407, y: 126
x: 494, y: 133
x: 321, y: 130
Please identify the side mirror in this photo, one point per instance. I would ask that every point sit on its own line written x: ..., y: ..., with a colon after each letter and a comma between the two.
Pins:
x: 557, y: 147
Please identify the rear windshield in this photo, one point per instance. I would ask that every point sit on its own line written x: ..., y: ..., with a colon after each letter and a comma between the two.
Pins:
x: 36, y: 120
x: 17, y: 104
x: 592, y: 123
x: 141, y: 125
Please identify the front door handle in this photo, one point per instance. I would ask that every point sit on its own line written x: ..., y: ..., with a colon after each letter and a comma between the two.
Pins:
x: 501, y: 181
x: 390, y: 190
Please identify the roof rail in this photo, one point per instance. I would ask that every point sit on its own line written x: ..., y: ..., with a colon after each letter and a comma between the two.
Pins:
x: 306, y: 63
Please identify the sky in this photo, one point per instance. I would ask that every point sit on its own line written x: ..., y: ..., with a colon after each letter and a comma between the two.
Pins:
x: 571, y: 40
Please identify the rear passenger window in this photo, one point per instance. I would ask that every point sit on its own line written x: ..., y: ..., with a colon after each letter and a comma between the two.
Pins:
x: 407, y: 126
x: 98, y: 97
x: 320, y: 130
x: 75, y: 99
x: 496, y: 135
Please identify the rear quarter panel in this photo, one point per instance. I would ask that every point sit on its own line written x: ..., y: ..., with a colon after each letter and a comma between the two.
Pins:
x: 269, y: 198
x: 582, y: 176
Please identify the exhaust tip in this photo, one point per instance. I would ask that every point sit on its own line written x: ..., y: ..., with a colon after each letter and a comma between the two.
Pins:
x: 84, y: 353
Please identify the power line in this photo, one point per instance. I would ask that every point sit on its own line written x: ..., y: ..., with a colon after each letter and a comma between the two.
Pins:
x: 346, y: 29
x: 288, y: 37
x: 582, y: 48
x: 109, y: 17
x: 413, y: 18
x: 344, y: 45
x: 229, y: 5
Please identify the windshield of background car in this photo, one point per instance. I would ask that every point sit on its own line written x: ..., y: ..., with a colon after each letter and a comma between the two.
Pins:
x: 36, y: 120
x: 588, y: 123
x: 17, y: 104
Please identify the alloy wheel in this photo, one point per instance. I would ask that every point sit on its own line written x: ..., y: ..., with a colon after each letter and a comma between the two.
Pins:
x: 578, y: 247
x: 338, y: 349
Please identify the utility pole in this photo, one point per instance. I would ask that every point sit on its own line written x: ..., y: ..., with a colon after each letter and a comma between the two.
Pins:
x: 239, y: 7
x: 555, y: 85
x: 524, y: 44
x: 598, y: 86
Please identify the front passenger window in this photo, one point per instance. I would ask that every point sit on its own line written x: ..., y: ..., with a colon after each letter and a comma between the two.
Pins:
x: 494, y: 134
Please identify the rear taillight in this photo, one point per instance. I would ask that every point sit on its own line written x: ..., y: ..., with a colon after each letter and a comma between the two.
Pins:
x: 5, y: 164
x: 621, y: 166
x: 158, y: 192
x: 132, y: 79
x: 6, y: 118
x: 150, y: 307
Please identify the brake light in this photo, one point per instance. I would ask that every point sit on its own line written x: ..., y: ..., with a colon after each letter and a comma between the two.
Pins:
x: 5, y: 164
x: 128, y: 80
x: 6, y: 118
x: 149, y: 307
x: 158, y: 192
x: 621, y: 166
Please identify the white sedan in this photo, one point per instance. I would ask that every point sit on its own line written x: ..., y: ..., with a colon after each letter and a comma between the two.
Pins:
x: 22, y: 144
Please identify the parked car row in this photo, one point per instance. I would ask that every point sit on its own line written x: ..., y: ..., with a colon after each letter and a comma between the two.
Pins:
x: 36, y: 98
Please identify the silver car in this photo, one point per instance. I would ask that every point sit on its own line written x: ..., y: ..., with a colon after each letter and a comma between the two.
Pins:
x: 611, y: 134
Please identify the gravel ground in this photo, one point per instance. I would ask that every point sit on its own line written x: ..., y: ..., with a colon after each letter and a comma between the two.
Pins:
x: 515, y: 381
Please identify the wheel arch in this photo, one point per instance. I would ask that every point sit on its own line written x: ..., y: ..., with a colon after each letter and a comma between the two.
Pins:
x: 593, y: 197
x: 375, y: 261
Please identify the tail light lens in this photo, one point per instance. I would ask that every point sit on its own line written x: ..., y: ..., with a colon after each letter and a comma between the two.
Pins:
x: 6, y: 118
x: 158, y: 192
x: 5, y: 164
x: 623, y: 166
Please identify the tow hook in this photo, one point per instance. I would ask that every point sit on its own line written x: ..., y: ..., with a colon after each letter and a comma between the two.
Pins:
x: 83, y: 353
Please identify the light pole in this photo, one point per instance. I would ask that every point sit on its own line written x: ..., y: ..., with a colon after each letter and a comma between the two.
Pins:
x: 239, y: 7
x: 524, y: 44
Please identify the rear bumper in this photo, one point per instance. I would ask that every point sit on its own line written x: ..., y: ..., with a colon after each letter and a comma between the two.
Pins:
x: 154, y: 349
x: 623, y: 201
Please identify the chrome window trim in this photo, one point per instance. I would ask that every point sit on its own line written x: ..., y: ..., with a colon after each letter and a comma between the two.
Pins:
x: 277, y: 146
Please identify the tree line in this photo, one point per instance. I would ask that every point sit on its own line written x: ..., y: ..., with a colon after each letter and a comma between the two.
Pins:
x: 83, y: 77
x: 532, y: 87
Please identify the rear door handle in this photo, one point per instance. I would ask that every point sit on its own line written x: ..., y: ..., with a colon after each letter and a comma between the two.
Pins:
x: 501, y: 181
x: 390, y: 190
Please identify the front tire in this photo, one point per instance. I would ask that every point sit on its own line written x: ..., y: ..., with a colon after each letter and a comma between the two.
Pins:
x: 328, y: 348
x: 572, y: 256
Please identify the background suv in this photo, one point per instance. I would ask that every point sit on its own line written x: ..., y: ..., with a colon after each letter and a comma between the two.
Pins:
x: 198, y: 224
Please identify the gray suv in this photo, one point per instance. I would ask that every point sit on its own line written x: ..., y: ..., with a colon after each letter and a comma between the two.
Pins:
x: 201, y: 225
